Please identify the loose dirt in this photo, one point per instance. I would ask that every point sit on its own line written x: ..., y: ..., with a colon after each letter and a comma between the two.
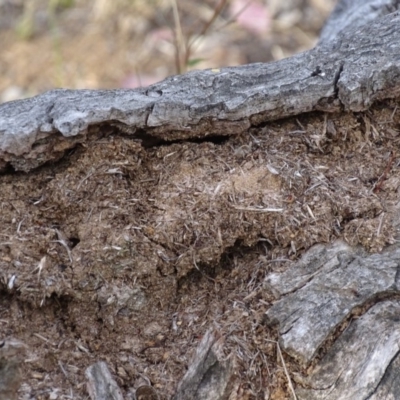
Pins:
x: 128, y: 252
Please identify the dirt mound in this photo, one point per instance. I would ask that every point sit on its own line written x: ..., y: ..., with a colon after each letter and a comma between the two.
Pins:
x: 129, y: 253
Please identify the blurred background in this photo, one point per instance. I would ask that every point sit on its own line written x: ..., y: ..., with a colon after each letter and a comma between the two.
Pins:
x: 96, y: 44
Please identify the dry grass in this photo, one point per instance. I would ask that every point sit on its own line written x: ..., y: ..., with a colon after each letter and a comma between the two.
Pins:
x: 103, y: 44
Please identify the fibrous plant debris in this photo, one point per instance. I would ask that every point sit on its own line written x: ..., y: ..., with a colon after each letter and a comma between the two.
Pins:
x: 133, y: 252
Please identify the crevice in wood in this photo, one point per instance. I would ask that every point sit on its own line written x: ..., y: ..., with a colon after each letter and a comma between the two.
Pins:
x: 354, y: 314
x: 336, y: 80
x: 388, y: 371
x: 148, y: 141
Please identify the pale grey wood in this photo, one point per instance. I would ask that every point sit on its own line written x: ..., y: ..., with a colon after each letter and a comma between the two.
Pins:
x: 355, y: 13
x: 210, y: 376
x: 363, y: 363
x: 350, y: 72
x: 101, y: 385
x: 311, y: 313
x: 320, y: 259
x: 389, y: 387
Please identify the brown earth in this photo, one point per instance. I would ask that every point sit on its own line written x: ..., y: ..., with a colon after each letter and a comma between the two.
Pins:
x: 127, y: 252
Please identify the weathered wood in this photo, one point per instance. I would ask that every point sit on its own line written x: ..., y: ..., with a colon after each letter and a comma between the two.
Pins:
x: 319, y: 259
x: 209, y: 377
x: 363, y: 363
x: 351, y: 72
x: 390, y: 385
x: 101, y: 385
x: 327, y: 295
x: 355, y: 13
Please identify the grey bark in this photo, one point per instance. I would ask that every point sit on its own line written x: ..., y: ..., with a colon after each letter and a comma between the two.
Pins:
x: 363, y: 363
x: 327, y: 296
x: 101, y: 385
x: 209, y: 377
x: 351, y: 72
x: 355, y: 13
x: 328, y: 287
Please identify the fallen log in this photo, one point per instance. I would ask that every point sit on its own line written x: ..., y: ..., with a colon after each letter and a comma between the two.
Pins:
x: 348, y: 72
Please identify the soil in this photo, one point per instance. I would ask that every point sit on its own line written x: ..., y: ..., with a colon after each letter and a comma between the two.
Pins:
x: 129, y: 254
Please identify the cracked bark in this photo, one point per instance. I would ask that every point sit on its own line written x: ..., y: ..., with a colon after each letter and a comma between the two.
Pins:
x: 329, y: 286
x: 341, y: 280
x: 373, y: 378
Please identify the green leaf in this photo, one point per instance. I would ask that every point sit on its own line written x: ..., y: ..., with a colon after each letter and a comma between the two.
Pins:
x: 194, y: 61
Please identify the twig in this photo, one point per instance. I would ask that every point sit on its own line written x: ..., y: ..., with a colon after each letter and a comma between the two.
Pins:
x: 178, y: 35
x: 383, y: 177
x: 206, y: 27
x: 286, y: 372
x: 255, y: 209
